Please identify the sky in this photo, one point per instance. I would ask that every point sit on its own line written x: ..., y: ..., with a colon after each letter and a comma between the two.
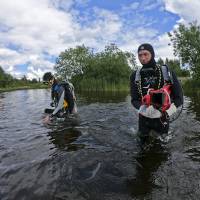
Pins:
x: 34, y: 32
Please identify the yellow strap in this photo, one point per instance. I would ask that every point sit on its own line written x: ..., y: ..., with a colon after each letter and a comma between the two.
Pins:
x: 65, y: 104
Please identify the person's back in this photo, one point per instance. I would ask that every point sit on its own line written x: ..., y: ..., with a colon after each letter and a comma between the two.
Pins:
x: 62, y: 97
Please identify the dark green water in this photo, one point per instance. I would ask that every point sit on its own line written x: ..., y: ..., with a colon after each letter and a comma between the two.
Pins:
x: 94, y: 156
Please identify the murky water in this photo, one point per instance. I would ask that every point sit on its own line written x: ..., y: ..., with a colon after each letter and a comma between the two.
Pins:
x: 94, y: 156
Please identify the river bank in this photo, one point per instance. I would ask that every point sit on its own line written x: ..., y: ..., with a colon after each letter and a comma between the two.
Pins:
x: 186, y: 82
x: 24, y: 87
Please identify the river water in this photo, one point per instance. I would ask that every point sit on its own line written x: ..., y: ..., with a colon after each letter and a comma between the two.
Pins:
x: 94, y: 155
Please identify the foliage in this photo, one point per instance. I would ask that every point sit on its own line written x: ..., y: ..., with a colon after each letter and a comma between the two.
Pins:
x: 5, y: 79
x: 175, y: 66
x: 191, y: 83
x: 72, y: 61
x: 107, y: 69
x: 186, y: 44
x: 7, y: 82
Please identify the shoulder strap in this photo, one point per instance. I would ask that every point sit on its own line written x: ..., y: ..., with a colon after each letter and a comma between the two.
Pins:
x: 165, y: 71
x: 166, y: 74
x: 67, y: 87
x: 64, y: 84
x: 137, y: 75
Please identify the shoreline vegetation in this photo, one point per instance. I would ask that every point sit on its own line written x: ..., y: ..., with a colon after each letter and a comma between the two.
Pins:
x: 23, y: 87
x: 100, y: 86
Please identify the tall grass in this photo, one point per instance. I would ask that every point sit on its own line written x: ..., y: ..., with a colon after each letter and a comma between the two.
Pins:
x: 191, y: 85
x: 101, y: 85
x: 16, y: 85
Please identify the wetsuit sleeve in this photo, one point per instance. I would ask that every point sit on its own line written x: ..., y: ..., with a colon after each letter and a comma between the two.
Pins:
x: 70, y: 99
x: 52, y: 94
x: 60, y: 103
x: 177, y: 92
x: 135, y: 97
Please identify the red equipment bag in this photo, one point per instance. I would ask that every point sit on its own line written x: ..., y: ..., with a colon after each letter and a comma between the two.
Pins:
x: 160, y: 98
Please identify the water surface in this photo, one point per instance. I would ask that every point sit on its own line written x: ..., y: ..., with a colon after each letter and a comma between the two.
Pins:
x: 95, y: 155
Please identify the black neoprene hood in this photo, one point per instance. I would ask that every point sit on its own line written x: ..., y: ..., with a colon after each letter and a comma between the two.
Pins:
x: 147, y: 47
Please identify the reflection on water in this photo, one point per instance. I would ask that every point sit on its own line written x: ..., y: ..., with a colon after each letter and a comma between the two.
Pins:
x: 102, y: 97
x: 94, y: 156
x: 65, y: 139
x: 192, y: 139
x: 194, y: 105
x: 148, y: 163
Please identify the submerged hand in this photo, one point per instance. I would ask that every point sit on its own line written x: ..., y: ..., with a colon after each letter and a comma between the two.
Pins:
x: 51, y: 117
x: 47, y: 119
x: 52, y: 104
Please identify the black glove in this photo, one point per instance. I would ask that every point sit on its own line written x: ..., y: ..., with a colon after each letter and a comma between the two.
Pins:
x: 52, y: 104
x: 165, y: 116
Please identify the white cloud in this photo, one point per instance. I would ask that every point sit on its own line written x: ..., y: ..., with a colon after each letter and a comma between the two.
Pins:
x: 108, y: 22
x: 132, y: 39
x: 162, y: 46
x: 35, y: 72
x: 9, y: 58
x: 149, y: 4
x: 62, y: 4
x: 45, y: 26
x: 188, y: 10
x: 131, y: 42
x: 33, y: 27
x: 132, y: 6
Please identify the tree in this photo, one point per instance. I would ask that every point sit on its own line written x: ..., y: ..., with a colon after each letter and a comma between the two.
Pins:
x: 2, y: 73
x: 111, y: 65
x: 186, y: 44
x: 72, y: 61
x: 34, y: 80
x: 160, y: 61
x: 5, y: 79
x: 24, y: 78
x: 174, y: 64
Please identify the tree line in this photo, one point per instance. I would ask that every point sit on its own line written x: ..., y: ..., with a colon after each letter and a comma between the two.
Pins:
x: 106, y: 70
x: 109, y: 69
x: 8, y: 81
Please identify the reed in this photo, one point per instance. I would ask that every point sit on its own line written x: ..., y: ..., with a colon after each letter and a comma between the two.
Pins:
x: 101, y: 85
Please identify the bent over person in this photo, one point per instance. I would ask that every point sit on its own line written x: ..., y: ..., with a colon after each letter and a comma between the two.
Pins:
x: 62, y: 96
x: 155, y: 93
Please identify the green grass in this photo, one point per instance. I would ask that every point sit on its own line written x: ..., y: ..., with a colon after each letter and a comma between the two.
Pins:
x: 191, y: 85
x: 23, y: 87
x: 101, y: 85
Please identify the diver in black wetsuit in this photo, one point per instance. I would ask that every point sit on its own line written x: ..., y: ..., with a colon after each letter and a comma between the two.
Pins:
x: 153, y: 77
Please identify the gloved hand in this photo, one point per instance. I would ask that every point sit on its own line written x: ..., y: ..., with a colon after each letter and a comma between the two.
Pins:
x: 146, y: 100
x: 164, y: 116
x: 52, y: 104
x: 171, y: 110
x: 51, y: 117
